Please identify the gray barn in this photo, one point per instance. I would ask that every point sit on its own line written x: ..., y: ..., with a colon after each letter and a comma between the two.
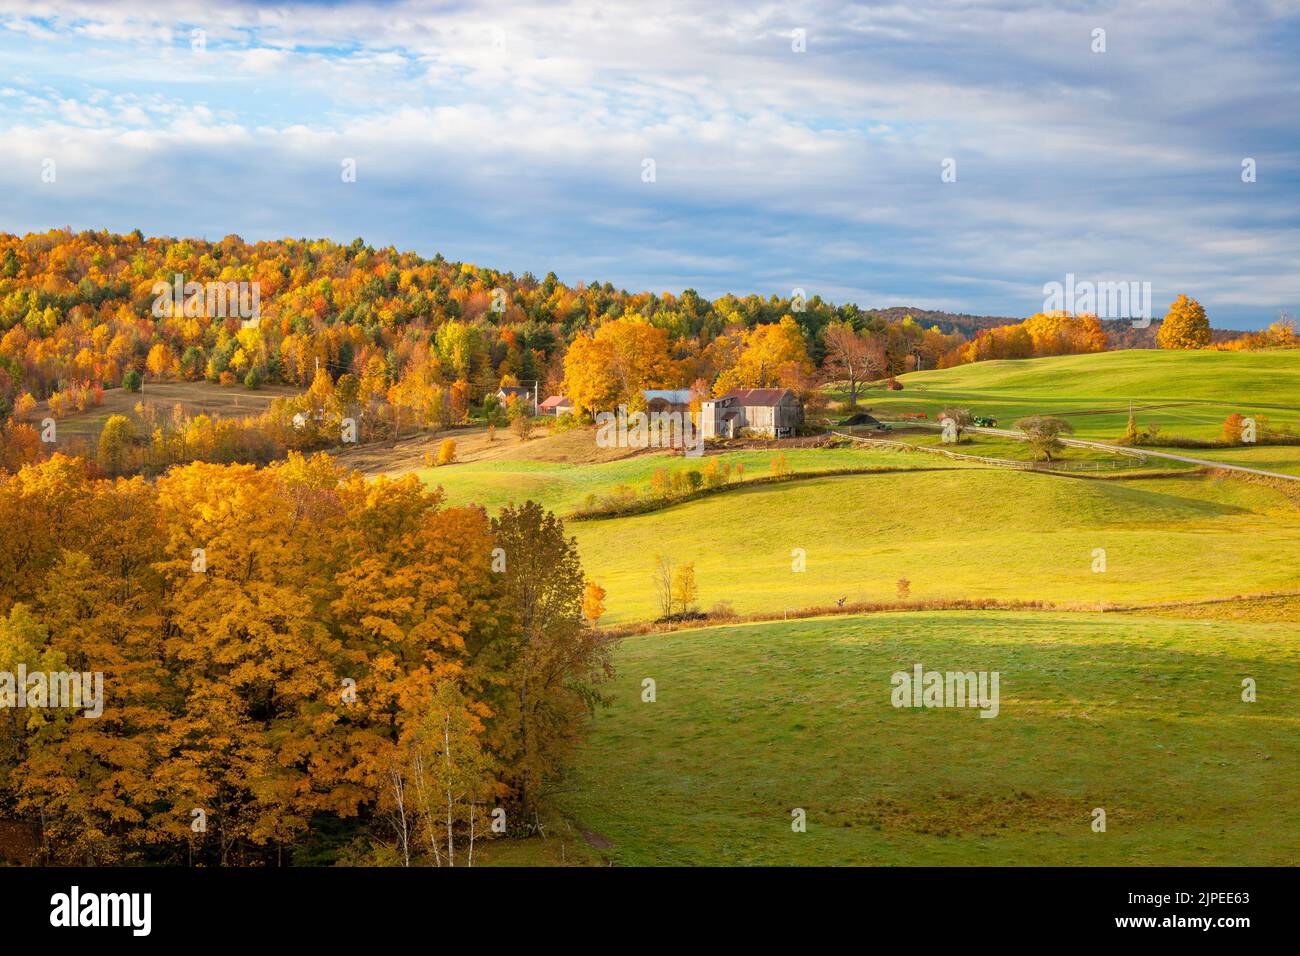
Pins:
x: 774, y: 412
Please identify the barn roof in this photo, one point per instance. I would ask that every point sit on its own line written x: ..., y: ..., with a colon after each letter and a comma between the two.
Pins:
x: 759, y: 396
x: 673, y: 396
x: 555, y: 400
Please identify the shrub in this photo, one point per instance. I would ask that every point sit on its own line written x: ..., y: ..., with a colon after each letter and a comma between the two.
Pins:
x: 661, y: 483
x: 131, y: 381
x: 684, y: 589
x: 447, y: 451
x: 493, y: 413
x: 1232, y: 428
x: 1043, y: 432
x: 522, y: 425
x: 1131, y: 436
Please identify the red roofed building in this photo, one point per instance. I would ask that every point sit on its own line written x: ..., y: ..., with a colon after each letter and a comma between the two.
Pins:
x: 773, y: 412
x: 555, y: 405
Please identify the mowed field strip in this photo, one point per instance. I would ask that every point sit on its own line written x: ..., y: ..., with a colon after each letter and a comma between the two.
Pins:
x: 1140, y: 716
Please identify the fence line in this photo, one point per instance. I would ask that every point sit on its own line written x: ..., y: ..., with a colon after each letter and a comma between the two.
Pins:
x: 1114, y: 465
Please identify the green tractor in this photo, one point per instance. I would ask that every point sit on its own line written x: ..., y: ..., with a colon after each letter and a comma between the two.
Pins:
x: 984, y: 421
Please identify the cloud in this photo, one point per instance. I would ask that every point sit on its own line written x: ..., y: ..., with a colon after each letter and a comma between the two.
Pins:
x: 515, y: 134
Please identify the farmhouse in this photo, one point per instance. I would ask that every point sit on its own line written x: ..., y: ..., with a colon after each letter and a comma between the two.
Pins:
x: 556, y: 405
x: 774, y: 412
x: 517, y: 393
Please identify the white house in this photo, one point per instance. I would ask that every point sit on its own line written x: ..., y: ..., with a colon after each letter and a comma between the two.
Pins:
x: 518, y: 393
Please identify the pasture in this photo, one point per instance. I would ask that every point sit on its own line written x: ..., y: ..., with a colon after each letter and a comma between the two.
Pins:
x: 1140, y: 716
x: 1185, y: 394
x: 563, y: 486
x: 970, y: 533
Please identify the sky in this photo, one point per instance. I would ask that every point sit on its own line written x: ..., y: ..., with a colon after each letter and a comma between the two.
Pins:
x: 663, y: 145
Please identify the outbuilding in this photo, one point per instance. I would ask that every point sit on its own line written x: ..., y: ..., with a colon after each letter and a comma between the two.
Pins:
x: 772, y: 412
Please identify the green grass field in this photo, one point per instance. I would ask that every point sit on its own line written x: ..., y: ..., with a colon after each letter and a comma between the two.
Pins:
x: 1188, y: 394
x: 1196, y: 389
x: 562, y: 487
x: 985, y: 533
x: 964, y: 532
x: 1138, y: 713
x: 1140, y: 716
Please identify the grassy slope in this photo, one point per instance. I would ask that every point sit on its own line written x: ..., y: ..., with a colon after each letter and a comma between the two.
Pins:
x: 1141, y: 716
x: 969, y: 533
x: 562, y: 487
x: 196, y: 397
x: 1196, y: 389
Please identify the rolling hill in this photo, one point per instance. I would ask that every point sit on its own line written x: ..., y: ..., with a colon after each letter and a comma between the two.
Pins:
x: 1139, y: 716
x: 954, y: 534
x: 1189, y: 393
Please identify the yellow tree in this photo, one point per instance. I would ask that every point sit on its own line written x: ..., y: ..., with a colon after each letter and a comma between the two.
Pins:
x: 593, y: 603
x: 92, y: 779
x: 641, y: 356
x: 684, y: 589
x: 611, y: 367
x: 589, y: 380
x: 160, y: 361
x: 250, y: 649
x: 416, y: 600
x: 1185, y: 326
x: 772, y: 355
x: 115, y: 444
